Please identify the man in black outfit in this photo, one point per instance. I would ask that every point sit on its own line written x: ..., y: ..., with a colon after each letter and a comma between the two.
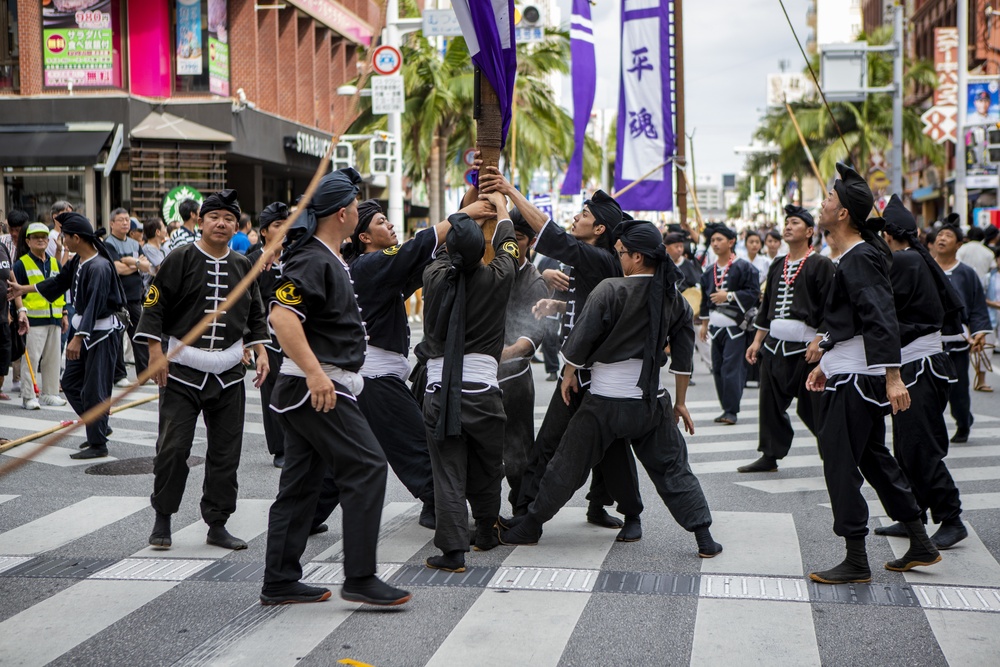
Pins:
x: 860, y: 380
x: 318, y: 323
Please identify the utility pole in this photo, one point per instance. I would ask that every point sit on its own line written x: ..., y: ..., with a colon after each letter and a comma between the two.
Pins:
x: 395, y: 28
x: 897, y: 101
x: 961, y: 193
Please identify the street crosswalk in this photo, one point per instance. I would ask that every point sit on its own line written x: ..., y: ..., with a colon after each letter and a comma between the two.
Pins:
x: 529, y: 605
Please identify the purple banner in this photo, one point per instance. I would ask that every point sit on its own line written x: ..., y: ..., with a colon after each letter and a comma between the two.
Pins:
x: 488, y: 28
x: 646, y: 103
x: 584, y: 71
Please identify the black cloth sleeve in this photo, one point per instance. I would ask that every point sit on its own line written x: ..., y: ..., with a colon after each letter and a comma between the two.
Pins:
x: 681, y: 338
x: 979, y: 315
x: 162, y: 294
x: 52, y: 288
x: 256, y: 321
x: 554, y: 242
x: 744, y: 285
x: 100, y: 280
x: 534, y: 329
x: 820, y: 286
x: 408, y: 260
x: 870, y: 292
x: 769, y: 294
x: 506, y: 253
x: 707, y: 287
x: 591, y: 328
x: 302, y: 286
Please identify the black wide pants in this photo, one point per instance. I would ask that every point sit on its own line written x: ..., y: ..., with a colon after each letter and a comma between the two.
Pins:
x: 519, y: 433
x: 782, y: 380
x: 315, y: 442
x: 88, y: 381
x: 959, y: 396
x: 920, y: 436
x: 852, y: 443
x: 467, y: 467
x: 224, y: 410
x: 596, y: 428
x: 618, y: 472
x: 274, y: 432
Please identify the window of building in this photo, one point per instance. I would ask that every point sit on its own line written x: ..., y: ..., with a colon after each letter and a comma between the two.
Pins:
x: 10, y: 76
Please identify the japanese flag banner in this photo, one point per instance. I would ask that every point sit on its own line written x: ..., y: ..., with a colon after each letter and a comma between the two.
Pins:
x: 584, y: 73
x: 488, y: 29
x: 646, y: 105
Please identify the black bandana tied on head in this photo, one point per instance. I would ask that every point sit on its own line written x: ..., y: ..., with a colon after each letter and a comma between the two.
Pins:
x: 713, y: 228
x: 223, y: 200
x: 336, y: 190
x: 792, y: 211
x: 77, y: 225
x: 466, y: 247
x: 900, y: 224
x: 272, y: 213
x: 605, y: 209
x: 520, y: 224
x: 367, y: 210
x: 857, y: 198
x: 644, y: 238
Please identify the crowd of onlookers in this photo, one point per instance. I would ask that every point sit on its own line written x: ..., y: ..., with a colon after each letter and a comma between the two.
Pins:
x: 34, y: 332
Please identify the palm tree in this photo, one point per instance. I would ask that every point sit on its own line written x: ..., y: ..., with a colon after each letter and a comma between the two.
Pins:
x: 438, y: 124
x: 867, y: 125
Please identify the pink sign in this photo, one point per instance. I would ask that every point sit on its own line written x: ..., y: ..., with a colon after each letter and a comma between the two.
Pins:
x: 338, y: 18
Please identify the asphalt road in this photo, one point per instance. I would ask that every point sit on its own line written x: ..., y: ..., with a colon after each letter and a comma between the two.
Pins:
x: 79, y: 587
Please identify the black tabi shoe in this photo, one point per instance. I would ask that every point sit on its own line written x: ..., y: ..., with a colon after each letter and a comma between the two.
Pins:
x: 486, y: 536
x: 372, y: 590
x: 895, y: 530
x: 279, y: 461
x: 160, y: 537
x: 92, y: 452
x: 526, y: 533
x: 631, y: 531
x: 727, y: 419
x: 949, y: 534
x: 854, y: 569
x: 84, y: 445
x: 600, y: 517
x: 453, y: 561
x: 921, y: 553
x: 961, y: 436
x: 763, y: 464
x: 707, y: 546
x: 506, y: 523
x: 218, y: 536
x: 427, y: 517
x: 321, y: 528
x: 295, y: 594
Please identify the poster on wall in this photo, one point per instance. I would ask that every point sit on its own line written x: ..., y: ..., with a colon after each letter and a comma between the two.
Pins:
x: 218, y: 48
x: 77, y: 43
x: 983, y: 104
x: 189, y: 60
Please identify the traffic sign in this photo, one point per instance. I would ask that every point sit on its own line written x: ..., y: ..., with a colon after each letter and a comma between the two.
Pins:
x: 388, y: 95
x: 386, y: 60
x: 469, y: 175
x: 469, y: 156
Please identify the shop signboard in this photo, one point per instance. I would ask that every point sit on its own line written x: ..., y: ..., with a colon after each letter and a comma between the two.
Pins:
x: 77, y: 43
x: 218, y: 48
x: 189, y: 44
x: 174, y: 198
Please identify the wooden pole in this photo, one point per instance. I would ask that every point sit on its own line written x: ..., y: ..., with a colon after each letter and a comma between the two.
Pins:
x: 805, y: 146
x: 681, y: 180
x: 489, y: 139
x: 639, y: 180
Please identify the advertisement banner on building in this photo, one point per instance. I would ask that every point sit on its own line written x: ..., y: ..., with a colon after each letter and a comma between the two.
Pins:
x: 941, y: 120
x: 218, y: 48
x: 77, y: 43
x: 189, y: 44
x: 983, y: 103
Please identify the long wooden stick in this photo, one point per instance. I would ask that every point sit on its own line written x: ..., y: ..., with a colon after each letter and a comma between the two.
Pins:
x: 640, y: 179
x: 58, y: 427
x: 805, y: 146
x: 274, y: 242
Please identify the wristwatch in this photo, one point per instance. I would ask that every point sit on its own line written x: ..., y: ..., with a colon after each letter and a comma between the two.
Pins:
x: 729, y: 296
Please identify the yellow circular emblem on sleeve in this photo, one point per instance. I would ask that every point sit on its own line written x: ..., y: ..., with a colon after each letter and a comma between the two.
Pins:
x: 511, y: 249
x: 391, y: 251
x: 288, y: 294
x: 152, y: 297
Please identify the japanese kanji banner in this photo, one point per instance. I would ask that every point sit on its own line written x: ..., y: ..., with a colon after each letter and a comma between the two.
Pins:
x: 584, y: 73
x: 646, y: 103
x: 488, y: 29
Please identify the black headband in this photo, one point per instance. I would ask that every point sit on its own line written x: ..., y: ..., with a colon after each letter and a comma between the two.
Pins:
x: 224, y: 200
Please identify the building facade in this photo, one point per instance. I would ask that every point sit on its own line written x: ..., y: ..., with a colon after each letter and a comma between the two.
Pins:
x: 112, y: 103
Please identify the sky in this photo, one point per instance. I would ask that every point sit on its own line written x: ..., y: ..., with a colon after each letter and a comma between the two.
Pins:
x: 730, y: 46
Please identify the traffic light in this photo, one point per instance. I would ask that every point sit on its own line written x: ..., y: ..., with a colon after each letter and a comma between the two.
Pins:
x: 381, y: 153
x: 343, y: 155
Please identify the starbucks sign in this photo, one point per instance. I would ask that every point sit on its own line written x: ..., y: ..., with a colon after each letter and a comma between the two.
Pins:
x: 173, y: 199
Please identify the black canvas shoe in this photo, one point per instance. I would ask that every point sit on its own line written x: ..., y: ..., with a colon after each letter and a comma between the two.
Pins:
x: 949, y: 534
x: 220, y: 537
x: 453, y: 561
x: 853, y: 570
x: 372, y: 590
x: 599, y: 516
x: 427, y: 517
x: 763, y: 464
x: 631, y: 531
x: 295, y: 594
x: 921, y: 553
x: 707, y: 546
x: 160, y: 537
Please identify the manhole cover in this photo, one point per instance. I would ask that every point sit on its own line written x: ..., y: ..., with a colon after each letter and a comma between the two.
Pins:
x: 139, y: 466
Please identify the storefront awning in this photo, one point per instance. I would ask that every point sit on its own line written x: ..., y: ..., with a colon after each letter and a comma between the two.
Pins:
x: 168, y: 127
x: 52, y: 145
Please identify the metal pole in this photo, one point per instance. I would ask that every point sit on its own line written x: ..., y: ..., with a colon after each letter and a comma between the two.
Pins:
x: 395, y: 126
x: 897, y: 103
x: 961, y: 194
